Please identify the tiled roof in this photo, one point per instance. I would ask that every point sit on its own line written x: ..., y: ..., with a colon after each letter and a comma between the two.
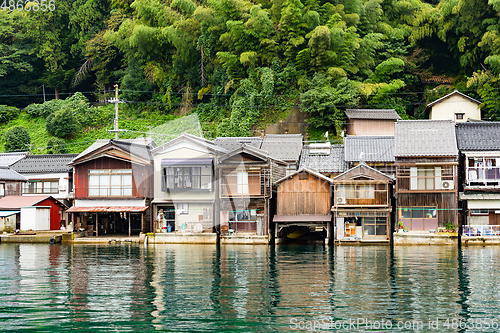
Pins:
x: 198, y: 140
x: 232, y: 143
x: 478, y: 136
x: 455, y: 92
x: 140, y: 147
x: 369, y: 148
x: 9, y: 174
x: 333, y: 162
x: 7, y: 159
x: 51, y: 163
x: 286, y: 147
x: 312, y: 172
x: 425, y: 138
x: 390, y: 114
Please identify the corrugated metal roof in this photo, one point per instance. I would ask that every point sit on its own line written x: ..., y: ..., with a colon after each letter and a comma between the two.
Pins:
x: 111, y: 209
x: 369, y: 148
x: 332, y: 163
x: 478, y: 136
x: 186, y: 136
x: 51, y: 163
x: 389, y: 114
x: 9, y: 174
x: 6, y: 213
x: 425, y: 138
x: 7, y: 159
x: 232, y: 143
x: 286, y: 147
x: 480, y: 196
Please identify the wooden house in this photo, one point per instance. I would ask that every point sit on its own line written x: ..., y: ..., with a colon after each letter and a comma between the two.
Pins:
x: 426, y: 173
x: 376, y: 151
x: 304, y: 199
x: 185, y: 187
x: 246, y: 177
x: 479, y: 146
x: 11, y: 182
x: 362, y: 204
x: 454, y: 106
x: 371, y: 121
x: 113, y: 187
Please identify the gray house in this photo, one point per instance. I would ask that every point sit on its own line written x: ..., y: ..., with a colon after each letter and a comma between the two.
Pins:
x: 479, y: 145
x: 376, y: 151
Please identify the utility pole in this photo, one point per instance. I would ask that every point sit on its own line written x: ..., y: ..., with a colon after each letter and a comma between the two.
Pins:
x: 116, y: 129
x: 43, y: 89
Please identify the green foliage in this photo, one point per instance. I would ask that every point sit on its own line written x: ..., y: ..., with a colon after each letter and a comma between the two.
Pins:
x: 17, y: 139
x: 7, y: 113
x: 63, y: 123
x: 56, y: 146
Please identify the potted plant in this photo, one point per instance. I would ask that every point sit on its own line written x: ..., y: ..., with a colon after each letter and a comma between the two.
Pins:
x: 400, y: 223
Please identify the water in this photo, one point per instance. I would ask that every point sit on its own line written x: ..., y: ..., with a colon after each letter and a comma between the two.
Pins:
x: 190, y: 288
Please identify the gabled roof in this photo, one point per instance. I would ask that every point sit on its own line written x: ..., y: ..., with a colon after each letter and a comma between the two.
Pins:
x: 140, y: 148
x: 51, y: 163
x: 7, y: 173
x: 479, y: 136
x: 210, y: 145
x: 14, y: 202
x: 389, y: 114
x: 455, y: 92
x: 286, y: 147
x: 309, y: 171
x: 425, y: 138
x: 362, y: 170
x: 232, y: 143
x: 326, y: 163
x: 244, y: 149
x: 7, y: 159
x: 369, y: 148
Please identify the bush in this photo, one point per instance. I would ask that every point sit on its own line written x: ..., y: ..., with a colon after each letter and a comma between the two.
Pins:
x: 56, y: 146
x: 45, y: 109
x: 7, y: 113
x: 17, y: 139
x: 63, y: 123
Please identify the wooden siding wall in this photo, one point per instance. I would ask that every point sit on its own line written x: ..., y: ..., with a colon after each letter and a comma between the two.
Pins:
x: 445, y: 203
x: 142, y: 176
x: 13, y: 187
x: 310, y: 196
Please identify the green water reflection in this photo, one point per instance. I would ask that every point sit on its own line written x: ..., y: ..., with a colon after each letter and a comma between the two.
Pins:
x: 176, y: 288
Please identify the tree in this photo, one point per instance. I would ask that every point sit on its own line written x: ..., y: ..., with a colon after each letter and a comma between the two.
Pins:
x: 63, y: 123
x: 17, y: 139
x: 56, y: 146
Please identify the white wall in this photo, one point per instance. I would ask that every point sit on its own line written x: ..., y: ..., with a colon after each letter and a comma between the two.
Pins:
x: 483, y: 204
x: 63, y: 183
x: 447, y: 109
x: 35, y: 218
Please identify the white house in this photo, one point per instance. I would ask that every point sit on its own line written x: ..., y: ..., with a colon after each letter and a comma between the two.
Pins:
x: 455, y: 106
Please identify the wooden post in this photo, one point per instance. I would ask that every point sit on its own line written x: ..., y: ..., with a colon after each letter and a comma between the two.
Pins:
x: 97, y: 224
x: 129, y: 225
x: 142, y: 222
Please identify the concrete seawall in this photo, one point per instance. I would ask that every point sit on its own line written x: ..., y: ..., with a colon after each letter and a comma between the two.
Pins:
x: 42, y: 238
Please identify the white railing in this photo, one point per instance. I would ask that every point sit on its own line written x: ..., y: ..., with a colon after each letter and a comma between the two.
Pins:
x: 481, y: 230
x: 483, y: 175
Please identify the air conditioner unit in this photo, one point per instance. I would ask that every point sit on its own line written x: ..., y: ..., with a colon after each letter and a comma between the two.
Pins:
x: 62, y: 187
x: 341, y: 201
x: 447, y: 185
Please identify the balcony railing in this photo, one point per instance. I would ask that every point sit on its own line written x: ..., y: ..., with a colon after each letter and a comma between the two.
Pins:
x: 40, y: 190
x: 483, y: 176
x: 481, y: 230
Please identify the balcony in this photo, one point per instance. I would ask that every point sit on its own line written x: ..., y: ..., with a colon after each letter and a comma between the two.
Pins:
x: 483, y: 176
x: 254, y: 184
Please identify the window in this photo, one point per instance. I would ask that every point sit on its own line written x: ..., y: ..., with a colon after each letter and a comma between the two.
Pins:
x: 2, y: 190
x: 417, y: 212
x: 207, y: 214
x: 199, y: 178
x: 428, y: 178
x: 242, y: 182
x: 357, y: 191
x: 110, y: 183
x: 375, y: 226
x: 182, y: 209
x: 479, y: 211
x: 459, y: 116
x: 41, y: 186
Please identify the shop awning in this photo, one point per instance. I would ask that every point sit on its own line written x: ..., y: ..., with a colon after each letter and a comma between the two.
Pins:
x: 186, y: 161
x: 302, y: 218
x: 112, y: 209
